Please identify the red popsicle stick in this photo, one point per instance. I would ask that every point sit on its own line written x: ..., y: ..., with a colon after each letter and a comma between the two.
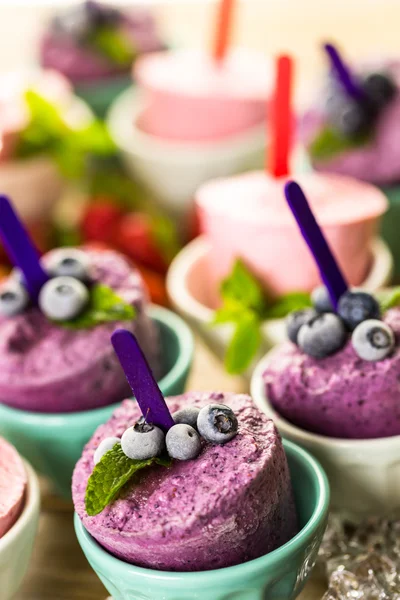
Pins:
x: 223, y: 29
x: 281, y: 119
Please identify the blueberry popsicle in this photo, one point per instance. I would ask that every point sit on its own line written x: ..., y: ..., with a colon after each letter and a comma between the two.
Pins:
x: 225, y: 497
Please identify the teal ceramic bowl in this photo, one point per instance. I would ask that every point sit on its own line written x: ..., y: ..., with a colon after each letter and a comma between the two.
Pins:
x: 99, y: 95
x: 53, y: 443
x: 279, y: 575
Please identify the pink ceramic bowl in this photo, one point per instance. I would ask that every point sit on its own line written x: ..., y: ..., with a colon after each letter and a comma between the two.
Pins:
x: 189, y: 97
x: 246, y: 216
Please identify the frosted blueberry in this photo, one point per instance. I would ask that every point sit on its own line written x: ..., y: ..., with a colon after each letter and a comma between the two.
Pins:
x: 143, y: 441
x: 373, y: 340
x: 187, y: 416
x: 104, y: 446
x: 355, y: 307
x: 63, y: 298
x: 183, y: 442
x: 295, y: 320
x: 13, y: 298
x: 324, y: 335
x: 321, y: 300
x: 217, y: 423
x: 69, y: 262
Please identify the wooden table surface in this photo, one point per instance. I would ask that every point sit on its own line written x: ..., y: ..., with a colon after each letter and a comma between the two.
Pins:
x: 59, y: 570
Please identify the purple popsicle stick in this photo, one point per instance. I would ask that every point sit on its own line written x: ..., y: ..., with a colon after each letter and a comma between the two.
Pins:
x: 343, y: 74
x: 141, y: 379
x: 329, y: 270
x: 20, y: 248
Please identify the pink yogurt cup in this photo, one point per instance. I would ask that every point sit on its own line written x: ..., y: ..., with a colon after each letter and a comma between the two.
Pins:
x: 247, y: 216
x: 190, y: 97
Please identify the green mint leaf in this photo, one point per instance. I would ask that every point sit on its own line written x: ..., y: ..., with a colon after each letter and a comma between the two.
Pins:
x: 113, y: 45
x: 329, y: 142
x: 104, y: 306
x: 109, y: 476
x: 232, y: 311
x: 388, y: 298
x: 287, y: 304
x: 165, y: 236
x: 242, y: 286
x: 244, y: 344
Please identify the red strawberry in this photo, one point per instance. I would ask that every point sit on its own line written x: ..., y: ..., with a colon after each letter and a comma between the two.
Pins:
x: 135, y: 239
x: 156, y: 286
x: 100, y: 222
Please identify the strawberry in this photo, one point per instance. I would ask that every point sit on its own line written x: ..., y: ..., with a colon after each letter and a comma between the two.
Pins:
x: 100, y: 221
x: 155, y: 284
x: 134, y: 238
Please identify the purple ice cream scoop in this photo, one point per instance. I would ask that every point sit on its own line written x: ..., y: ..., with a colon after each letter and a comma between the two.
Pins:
x: 376, y: 161
x: 231, y: 504
x: 81, y: 63
x: 48, y: 368
x: 339, y: 396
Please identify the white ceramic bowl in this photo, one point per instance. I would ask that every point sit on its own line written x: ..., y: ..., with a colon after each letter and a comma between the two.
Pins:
x: 193, y: 297
x: 16, y: 545
x: 172, y: 170
x: 35, y: 184
x: 364, y: 474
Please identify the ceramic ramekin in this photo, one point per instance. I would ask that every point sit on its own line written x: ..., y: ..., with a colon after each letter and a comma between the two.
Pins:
x: 279, y: 575
x: 16, y: 545
x: 193, y: 296
x: 171, y: 170
x: 364, y: 474
x: 54, y: 442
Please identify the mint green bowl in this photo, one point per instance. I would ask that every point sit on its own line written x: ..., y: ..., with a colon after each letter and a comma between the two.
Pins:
x: 279, y: 575
x: 53, y: 443
x: 100, y: 94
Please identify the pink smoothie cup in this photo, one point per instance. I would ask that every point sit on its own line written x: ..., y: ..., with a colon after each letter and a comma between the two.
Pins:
x: 191, y: 97
x: 246, y: 216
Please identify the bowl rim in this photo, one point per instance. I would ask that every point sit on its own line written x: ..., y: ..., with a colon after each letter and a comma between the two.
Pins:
x: 198, y: 249
x: 29, y: 511
x: 157, y: 313
x: 136, y: 142
x: 261, y: 400
x: 269, y: 560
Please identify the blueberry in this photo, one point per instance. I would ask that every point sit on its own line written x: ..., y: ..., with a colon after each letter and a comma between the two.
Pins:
x: 187, y: 415
x: 217, y: 423
x: 324, y: 335
x: 355, y: 307
x: 321, y: 299
x: 183, y: 442
x: 373, y: 340
x: 63, y: 298
x: 69, y: 262
x: 351, y: 119
x: 13, y: 298
x: 380, y: 89
x: 297, y: 319
x: 104, y: 446
x: 143, y: 441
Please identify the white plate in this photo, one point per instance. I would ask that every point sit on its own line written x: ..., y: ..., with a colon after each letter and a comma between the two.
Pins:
x: 364, y: 474
x: 188, y: 272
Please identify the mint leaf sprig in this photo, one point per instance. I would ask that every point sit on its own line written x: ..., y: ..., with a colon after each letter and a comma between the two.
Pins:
x: 388, y: 298
x: 47, y: 132
x: 247, y: 305
x: 110, y: 475
x: 114, y: 45
x: 104, y: 306
x: 330, y: 142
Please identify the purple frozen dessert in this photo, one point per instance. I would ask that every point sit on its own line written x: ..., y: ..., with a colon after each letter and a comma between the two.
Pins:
x: 341, y: 395
x: 231, y: 504
x: 92, y: 41
x: 45, y: 367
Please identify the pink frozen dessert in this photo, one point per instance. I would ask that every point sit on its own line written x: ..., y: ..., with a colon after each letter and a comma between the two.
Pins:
x: 229, y: 503
x: 53, y: 362
x: 188, y: 96
x: 246, y: 217
x: 13, y: 482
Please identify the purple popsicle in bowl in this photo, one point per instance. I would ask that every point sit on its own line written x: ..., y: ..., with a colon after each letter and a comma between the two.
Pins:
x: 228, y: 502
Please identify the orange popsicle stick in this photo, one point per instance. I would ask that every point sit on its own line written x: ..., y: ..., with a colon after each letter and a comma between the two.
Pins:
x: 223, y: 29
x: 281, y: 119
